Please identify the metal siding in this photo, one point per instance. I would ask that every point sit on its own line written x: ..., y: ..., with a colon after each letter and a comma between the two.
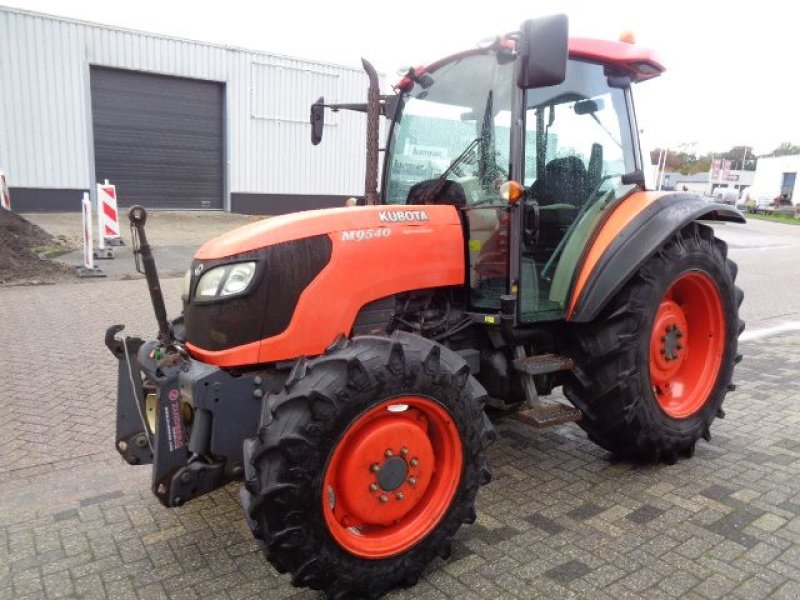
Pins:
x: 45, y: 122
x: 40, y: 97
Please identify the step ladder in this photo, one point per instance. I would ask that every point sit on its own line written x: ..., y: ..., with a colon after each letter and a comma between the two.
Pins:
x: 539, y: 413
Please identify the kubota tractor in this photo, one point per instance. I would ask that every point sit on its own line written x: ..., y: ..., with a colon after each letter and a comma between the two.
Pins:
x: 340, y: 361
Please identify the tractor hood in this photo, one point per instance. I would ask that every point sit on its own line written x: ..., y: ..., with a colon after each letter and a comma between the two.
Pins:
x: 314, y: 272
x: 357, y: 223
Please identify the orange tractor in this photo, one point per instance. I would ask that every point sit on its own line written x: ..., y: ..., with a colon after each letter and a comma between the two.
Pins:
x: 340, y: 361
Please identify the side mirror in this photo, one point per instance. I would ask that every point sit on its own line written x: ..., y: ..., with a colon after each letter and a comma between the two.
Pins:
x: 317, y: 120
x: 543, y: 52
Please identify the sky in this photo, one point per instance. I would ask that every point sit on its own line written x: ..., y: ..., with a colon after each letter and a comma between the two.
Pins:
x: 729, y: 81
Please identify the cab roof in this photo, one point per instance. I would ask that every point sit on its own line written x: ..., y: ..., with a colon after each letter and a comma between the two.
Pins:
x: 641, y: 63
x: 638, y: 62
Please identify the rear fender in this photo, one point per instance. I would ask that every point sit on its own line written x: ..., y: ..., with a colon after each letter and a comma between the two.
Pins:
x: 631, y: 235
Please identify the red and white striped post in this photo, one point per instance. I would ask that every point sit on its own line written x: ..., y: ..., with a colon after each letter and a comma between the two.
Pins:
x: 107, y: 216
x: 5, y: 195
x: 88, y: 269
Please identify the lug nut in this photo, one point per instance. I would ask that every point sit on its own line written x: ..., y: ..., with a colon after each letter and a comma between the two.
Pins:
x: 404, y: 451
x: 388, y: 454
x: 412, y: 481
x: 384, y: 498
x: 399, y: 495
x: 663, y: 338
x: 373, y: 487
x: 414, y: 462
x: 679, y: 346
x: 375, y: 468
x: 186, y: 477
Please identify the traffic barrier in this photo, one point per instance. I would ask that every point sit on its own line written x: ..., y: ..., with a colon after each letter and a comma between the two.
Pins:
x: 88, y: 269
x: 5, y: 195
x: 107, y: 216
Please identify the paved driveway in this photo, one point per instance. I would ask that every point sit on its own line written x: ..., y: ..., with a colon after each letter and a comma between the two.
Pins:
x: 558, y: 520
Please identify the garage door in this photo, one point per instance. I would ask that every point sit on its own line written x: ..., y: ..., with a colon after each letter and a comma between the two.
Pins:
x: 159, y: 139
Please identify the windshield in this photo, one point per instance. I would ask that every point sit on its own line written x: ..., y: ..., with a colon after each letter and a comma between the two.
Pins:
x: 455, y: 129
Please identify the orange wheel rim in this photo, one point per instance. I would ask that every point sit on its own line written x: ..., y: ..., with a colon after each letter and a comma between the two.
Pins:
x: 392, y: 476
x: 686, y: 344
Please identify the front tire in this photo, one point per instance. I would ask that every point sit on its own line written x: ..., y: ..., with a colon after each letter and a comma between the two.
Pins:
x: 366, y: 464
x: 660, y: 357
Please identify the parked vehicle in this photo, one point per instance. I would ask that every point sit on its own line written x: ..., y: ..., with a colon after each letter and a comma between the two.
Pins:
x: 726, y: 195
x: 339, y: 361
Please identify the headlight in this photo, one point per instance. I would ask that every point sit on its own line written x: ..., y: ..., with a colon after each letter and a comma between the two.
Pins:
x: 239, y: 277
x: 226, y: 280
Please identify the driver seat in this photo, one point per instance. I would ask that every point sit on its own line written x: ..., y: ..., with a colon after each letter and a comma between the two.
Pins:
x: 560, y: 194
x: 565, y: 181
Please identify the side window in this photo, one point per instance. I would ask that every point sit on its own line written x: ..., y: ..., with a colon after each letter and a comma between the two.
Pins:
x: 577, y: 146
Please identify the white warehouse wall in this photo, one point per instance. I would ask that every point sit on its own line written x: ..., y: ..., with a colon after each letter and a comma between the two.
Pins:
x: 45, y: 109
x: 769, y: 176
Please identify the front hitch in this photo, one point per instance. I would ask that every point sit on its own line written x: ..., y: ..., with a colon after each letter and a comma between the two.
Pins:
x: 151, y: 425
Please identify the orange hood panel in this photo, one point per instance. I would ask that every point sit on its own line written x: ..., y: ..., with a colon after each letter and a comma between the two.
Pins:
x: 376, y: 251
x: 294, y: 226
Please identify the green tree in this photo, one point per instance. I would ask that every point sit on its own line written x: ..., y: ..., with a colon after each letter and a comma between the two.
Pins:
x: 785, y: 149
x: 674, y: 162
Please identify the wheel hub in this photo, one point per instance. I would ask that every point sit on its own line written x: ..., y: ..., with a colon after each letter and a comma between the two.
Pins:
x: 671, y: 342
x: 392, y: 474
x: 386, y: 471
x: 667, y: 350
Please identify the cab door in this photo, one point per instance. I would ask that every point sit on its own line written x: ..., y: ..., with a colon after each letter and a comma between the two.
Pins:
x: 578, y: 145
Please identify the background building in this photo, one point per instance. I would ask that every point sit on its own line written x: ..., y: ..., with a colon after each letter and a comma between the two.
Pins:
x: 774, y: 176
x: 173, y: 123
x: 695, y: 184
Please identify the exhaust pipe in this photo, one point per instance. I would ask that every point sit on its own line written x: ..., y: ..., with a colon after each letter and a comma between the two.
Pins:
x: 373, y: 119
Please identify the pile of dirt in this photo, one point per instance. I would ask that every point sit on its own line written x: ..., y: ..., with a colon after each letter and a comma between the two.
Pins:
x: 19, y: 242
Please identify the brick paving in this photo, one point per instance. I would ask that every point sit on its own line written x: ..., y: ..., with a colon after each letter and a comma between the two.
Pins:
x: 559, y: 520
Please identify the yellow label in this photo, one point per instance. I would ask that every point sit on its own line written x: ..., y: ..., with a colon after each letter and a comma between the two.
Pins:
x: 489, y: 319
x: 475, y: 245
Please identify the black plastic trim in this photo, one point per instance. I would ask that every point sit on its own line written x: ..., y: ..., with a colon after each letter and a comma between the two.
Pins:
x: 285, y: 270
x: 642, y: 237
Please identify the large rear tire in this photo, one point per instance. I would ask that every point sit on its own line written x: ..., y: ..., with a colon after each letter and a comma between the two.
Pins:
x: 659, y: 359
x: 366, y: 464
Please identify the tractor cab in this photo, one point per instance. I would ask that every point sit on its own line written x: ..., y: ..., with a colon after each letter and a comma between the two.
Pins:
x: 572, y: 146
